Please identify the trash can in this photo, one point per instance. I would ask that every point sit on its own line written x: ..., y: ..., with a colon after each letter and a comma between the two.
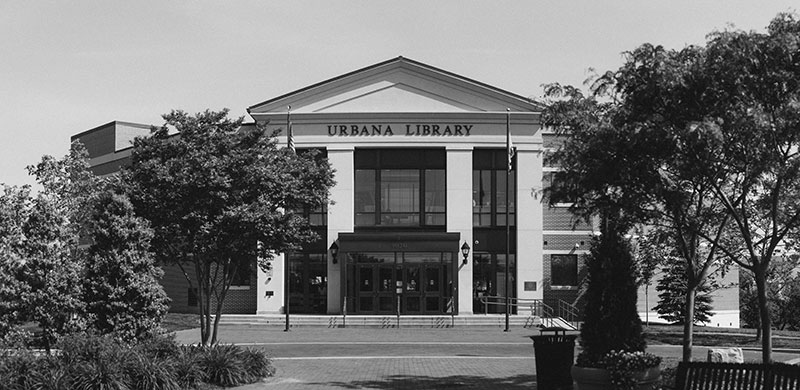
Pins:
x: 555, y: 355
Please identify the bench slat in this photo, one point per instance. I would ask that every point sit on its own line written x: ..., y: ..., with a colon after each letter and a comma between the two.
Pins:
x: 737, y: 376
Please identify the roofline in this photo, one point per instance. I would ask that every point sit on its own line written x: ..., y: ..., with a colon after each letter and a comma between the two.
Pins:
x: 312, y: 86
x: 398, y: 59
x: 139, y: 125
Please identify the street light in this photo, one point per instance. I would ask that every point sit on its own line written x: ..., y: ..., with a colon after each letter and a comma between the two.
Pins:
x: 334, y: 252
x: 465, y: 251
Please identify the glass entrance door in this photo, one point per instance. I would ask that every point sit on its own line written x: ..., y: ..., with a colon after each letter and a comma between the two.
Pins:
x: 409, y: 282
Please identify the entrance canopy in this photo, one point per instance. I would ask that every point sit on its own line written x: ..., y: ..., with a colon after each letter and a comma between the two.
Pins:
x: 399, y: 242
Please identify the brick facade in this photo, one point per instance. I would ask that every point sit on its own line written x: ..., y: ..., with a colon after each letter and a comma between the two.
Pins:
x: 238, y: 301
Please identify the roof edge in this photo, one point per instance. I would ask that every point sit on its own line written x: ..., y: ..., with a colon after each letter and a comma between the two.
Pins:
x: 410, y: 61
x: 132, y: 124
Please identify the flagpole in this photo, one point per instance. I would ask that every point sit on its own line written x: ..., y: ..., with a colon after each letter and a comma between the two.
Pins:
x: 287, y: 255
x: 508, y: 224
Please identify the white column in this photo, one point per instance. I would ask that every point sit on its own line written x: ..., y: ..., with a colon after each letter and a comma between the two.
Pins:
x: 530, y: 267
x: 341, y: 218
x: 459, y: 217
x: 269, y: 288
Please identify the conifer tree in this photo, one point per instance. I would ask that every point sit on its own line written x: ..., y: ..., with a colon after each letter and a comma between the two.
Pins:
x: 672, y: 295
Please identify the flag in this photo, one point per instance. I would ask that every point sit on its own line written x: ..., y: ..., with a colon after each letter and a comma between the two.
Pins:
x: 289, y: 135
x: 509, y: 145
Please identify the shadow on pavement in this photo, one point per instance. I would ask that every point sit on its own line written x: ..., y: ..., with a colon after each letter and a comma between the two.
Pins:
x: 448, y: 382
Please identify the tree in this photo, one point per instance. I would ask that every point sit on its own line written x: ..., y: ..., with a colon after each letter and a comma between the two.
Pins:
x: 41, y: 266
x: 783, y: 295
x: 611, y: 321
x: 47, y: 273
x: 121, y: 288
x: 218, y: 194
x: 650, y: 253
x: 704, y: 141
x: 14, y: 207
x: 672, y: 297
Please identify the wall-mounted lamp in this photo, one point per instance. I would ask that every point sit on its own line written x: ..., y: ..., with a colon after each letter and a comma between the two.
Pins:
x: 465, y: 251
x: 334, y: 252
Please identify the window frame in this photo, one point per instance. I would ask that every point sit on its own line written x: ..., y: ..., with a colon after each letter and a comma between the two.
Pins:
x: 378, y: 161
x: 574, y: 263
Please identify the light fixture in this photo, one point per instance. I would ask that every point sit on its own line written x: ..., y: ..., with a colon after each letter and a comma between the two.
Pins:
x: 334, y: 252
x: 465, y: 251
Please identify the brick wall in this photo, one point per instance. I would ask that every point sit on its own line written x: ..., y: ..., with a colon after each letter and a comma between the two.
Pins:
x: 552, y: 295
x: 177, y: 288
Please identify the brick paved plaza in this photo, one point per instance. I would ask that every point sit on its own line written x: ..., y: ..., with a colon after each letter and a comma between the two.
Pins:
x: 368, y: 358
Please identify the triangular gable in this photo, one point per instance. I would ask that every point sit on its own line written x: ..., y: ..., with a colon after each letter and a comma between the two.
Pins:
x: 397, y: 85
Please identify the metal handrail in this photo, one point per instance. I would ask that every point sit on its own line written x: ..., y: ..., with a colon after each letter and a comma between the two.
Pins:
x: 537, y: 306
x: 569, y: 313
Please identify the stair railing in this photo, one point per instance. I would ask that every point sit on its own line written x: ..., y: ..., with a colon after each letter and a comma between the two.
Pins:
x: 569, y: 313
x: 536, y: 307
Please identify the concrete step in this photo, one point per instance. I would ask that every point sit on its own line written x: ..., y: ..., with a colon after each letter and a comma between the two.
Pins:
x: 380, y: 321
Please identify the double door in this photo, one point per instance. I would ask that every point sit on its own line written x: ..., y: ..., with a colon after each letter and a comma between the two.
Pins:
x: 404, y: 288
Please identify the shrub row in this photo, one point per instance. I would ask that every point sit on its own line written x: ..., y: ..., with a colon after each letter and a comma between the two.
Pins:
x: 100, y: 362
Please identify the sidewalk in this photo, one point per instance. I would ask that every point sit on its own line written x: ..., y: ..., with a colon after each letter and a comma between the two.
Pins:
x: 368, y: 358
x: 390, y: 358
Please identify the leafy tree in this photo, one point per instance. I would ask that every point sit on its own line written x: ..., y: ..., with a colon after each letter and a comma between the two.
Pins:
x: 650, y: 253
x: 48, y: 276
x: 14, y: 208
x: 783, y: 295
x: 672, y: 297
x: 121, y: 288
x: 215, y: 194
x: 703, y: 141
x: 41, y: 266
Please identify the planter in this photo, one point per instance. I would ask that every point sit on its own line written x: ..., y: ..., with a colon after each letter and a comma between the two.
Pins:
x: 586, y: 378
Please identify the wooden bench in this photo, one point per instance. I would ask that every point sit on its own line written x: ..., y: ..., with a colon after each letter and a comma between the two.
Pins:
x: 737, y: 376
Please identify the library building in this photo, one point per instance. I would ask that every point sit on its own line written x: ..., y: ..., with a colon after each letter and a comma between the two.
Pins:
x: 418, y: 218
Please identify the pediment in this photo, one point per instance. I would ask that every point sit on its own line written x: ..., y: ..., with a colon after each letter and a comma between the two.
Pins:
x: 396, y: 86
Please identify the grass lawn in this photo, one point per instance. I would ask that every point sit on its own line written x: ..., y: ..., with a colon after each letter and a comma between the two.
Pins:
x: 174, y: 322
x: 719, y: 337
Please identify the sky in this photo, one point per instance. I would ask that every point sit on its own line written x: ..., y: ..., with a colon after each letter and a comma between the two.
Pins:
x: 69, y: 66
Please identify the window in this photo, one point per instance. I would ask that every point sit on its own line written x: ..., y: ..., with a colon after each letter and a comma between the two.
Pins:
x: 489, y: 281
x: 308, y: 283
x: 489, y: 188
x: 400, y: 197
x: 242, y: 274
x: 317, y: 216
x: 192, y: 301
x: 400, y: 188
x: 564, y: 270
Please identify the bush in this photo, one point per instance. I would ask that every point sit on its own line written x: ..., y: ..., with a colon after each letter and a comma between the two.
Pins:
x: 161, y: 346
x: 146, y: 373
x: 231, y: 365
x: 17, y: 369
x: 102, y: 362
x: 223, y: 365
x: 187, y: 368
x: 258, y: 364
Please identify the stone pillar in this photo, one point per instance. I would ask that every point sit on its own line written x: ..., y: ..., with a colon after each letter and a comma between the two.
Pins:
x: 341, y: 218
x: 530, y: 255
x: 459, y: 217
x: 269, y: 288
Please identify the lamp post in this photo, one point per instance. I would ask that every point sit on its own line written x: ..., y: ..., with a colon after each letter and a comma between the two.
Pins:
x: 334, y: 252
x: 465, y: 252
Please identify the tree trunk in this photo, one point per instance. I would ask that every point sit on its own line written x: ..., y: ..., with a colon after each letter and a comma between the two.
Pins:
x: 759, y: 274
x: 204, y: 301
x: 688, y: 324
x: 217, y: 316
